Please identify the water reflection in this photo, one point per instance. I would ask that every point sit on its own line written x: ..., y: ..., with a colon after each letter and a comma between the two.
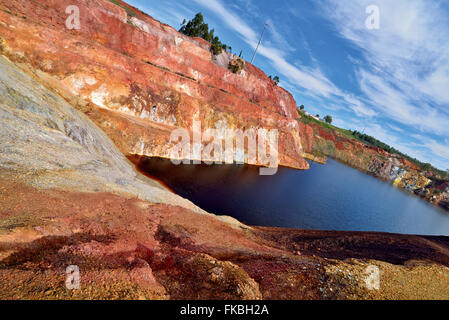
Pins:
x: 326, y: 197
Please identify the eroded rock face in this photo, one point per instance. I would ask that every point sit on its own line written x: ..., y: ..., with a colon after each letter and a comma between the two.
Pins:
x: 132, y: 239
x: 50, y: 145
x: 125, y: 63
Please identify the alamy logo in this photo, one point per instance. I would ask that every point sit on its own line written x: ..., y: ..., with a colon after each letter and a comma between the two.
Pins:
x: 372, y: 280
x: 73, y: 20
x: 372, y: 22
x: 222, y: 145
x: 72, y: 281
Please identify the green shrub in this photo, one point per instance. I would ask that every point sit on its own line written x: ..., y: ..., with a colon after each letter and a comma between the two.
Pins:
x: 198, y: 28
x: 236, y: 65
x: 130, y: 12
x: 275, y: 79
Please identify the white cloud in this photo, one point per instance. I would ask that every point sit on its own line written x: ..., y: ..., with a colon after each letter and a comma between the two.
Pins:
x: 231, y: 19
x: 171, y: 13
x: 440, y: 149
x: 315, y: 83
x: 405, y: 74
x: 279, y: 40
x: 408, y: 58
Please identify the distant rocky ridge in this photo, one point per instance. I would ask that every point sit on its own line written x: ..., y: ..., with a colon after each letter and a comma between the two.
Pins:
x: 391, y: 168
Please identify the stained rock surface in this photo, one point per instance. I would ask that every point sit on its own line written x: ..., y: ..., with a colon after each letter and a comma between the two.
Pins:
x: 140, y: 79
x: 48, y: 144
x: 321, y: 142
x: 69, y: 197
x: 74, y: 103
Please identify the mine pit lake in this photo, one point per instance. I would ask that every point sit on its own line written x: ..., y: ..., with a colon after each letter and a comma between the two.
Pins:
x: 326, y: 197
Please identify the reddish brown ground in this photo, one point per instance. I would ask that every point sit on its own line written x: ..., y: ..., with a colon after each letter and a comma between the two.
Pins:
x: 130, y: 249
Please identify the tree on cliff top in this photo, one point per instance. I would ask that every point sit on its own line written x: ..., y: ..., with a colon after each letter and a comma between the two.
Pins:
x: 275, y: 79
x: 198, y: 28
x: 328, y: 119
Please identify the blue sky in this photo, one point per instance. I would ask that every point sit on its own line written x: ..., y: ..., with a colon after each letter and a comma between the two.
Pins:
x: 391, y: 83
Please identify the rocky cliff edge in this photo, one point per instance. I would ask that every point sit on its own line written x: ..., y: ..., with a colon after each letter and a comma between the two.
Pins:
x: 69, y: 197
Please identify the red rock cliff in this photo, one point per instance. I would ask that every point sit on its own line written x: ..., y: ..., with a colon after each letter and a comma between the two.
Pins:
x: 138, y: 79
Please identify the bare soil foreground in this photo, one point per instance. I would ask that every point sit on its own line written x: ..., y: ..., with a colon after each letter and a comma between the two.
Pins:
x: 133, y: 249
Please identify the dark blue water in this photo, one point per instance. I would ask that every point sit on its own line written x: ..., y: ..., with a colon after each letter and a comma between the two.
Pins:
x: 326, y: 197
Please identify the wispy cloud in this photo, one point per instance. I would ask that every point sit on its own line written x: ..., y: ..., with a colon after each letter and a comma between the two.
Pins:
x: 405, y: 76
x: 315, y: 83
x: 399, y: 74
x: 171, y: 13
x: 278, y: 38
x: 231, y: 19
